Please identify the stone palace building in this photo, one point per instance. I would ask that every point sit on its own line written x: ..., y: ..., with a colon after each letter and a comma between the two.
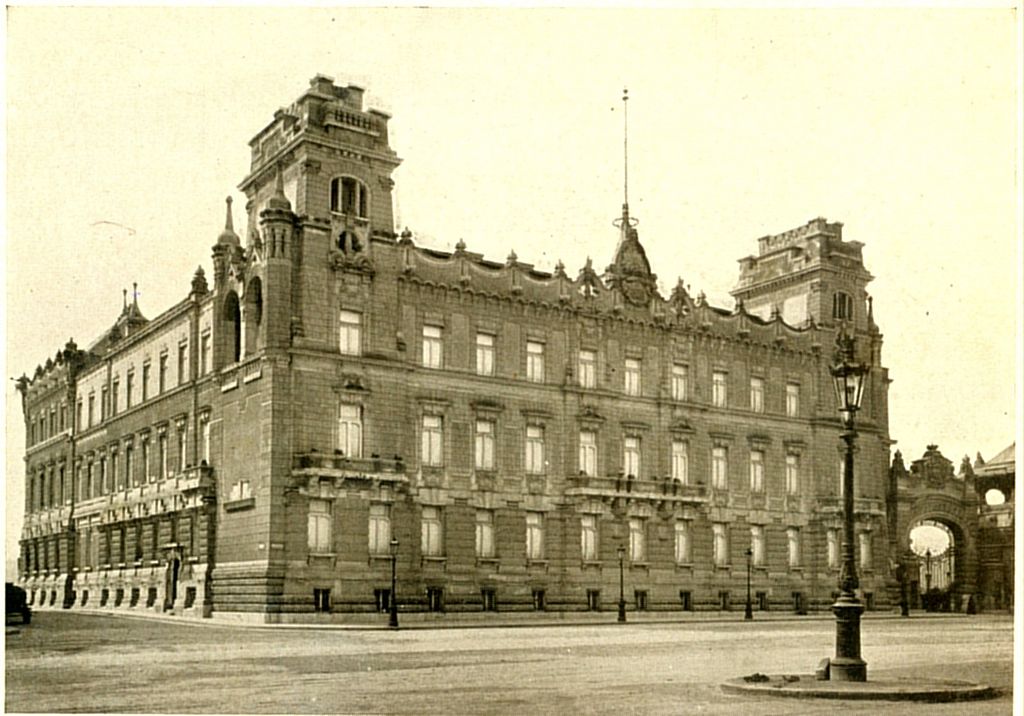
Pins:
x: 253, y: 450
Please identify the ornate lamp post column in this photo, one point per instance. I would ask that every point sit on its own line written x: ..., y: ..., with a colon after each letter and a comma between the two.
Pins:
x: 928, y: 570
x: 622, y: 593
x: 393, y: 616
x: 848, y: 377
x: 749, y: 613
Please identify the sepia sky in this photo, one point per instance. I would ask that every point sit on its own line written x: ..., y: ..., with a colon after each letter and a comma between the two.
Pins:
x: 127, y: 127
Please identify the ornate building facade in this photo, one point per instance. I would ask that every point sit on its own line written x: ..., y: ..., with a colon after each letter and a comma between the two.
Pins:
x: 255, y: 450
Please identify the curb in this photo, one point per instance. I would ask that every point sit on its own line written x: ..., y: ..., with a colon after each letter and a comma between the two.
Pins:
x: 806, y: 686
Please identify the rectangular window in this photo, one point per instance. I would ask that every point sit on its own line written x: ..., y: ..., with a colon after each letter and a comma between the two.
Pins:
x: 484, y: 354
x: 535, y: 361
x: 115, y: 389
x: 182, y: 363
x: 720, y: 543
x: 145, y: 381
x: 350, y: 429
x: 433, y: 454
x: 182, y: 448
x: 632, y: 373
x: 78, y: 416
x: 350, y: 334
x: 588, y: 537
x: 719, y: 468
x: 757, y: 395
x: 637, y: 540
x: 319, y: 526
x: 640, y: 599
x: 382, y: 598
x: 832, y: 537
x: 588, y: 453
x: 431, y: 535
x: 718, y: 389
x: 380, y: 529
x: 147, y: 473
x: 594, y: 600
x: 535, y: 449
x: 793, y: 537
x: 792, y: 474
x: 757, y: 545
x: 864, y: 539
x: 792, y: 400
x: 534, y: 535
x: 204, y: 428
x: 538, y: 600
x: 489, y: 599
x: 684, y: 548
x: 484, y: 533
x: 756, y: 471
x: 321, y: 600
x: 204, y: 354
x: 680, y: 462
x: 435, y: 599
x: 686, y: 600
x: 631, y: 456
x: 483, y: 446
x: 92, y: 410
x: 161, y: 378
x: 130, y: 473
x: 129, y: 389
x: 432, y: 346
x: 680, y: 377
x: 587, y: 369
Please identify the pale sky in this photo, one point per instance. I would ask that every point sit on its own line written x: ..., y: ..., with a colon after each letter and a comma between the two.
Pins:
x: 126, y: 128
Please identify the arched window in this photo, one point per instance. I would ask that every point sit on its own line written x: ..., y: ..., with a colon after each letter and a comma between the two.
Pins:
x: 233, y: 327
x: 253, y: 314
x: 349, y: 196
x: 842, y: 306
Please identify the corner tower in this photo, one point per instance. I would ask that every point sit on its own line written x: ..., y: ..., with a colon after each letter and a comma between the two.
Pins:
x: 335, y: 160
x: 808, y: 274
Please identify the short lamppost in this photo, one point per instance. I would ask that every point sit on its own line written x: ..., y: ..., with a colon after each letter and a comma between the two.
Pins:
x: 927, y: 570
x: 393, y: 602
x: 848, y: 378
x: 622, y: 584
x: 749, y: 612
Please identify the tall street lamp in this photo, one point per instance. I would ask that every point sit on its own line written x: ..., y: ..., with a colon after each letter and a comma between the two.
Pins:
x: 928, y: 570
x: 393, y: 617
x: 622, y: 583
x: 848, y: 378
x: 749, y: 613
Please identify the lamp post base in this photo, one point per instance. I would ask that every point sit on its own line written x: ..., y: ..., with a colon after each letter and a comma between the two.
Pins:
x: 847, y: 664
x: 622, y: 611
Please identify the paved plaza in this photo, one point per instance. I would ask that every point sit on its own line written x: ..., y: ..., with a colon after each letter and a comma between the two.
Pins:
x: 82, y: 662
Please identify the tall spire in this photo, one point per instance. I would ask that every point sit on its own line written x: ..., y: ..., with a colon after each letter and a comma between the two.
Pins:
x: 625, y: 151
x: 228, y: 236
x: 625, y: 223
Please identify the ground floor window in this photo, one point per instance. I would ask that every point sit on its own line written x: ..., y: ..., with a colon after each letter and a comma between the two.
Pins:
x: 594, y: 600
x: 322, y: 600
x: 134, y: 601
x: 435, y: 599
x: 686, y: 599
x: 762, y: 600
x: 382, y: 598
x: 150, y: 597
x: 723, y: 600
x: 640, y: 599
x: 489, y: 599
x: 798, y: 603
x: 538, y: 600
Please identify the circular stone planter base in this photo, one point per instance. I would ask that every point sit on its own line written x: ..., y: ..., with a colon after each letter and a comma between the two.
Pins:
x: 806, y: 686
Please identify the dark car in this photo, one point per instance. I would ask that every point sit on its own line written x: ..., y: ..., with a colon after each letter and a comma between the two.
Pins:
x: 17, y: 604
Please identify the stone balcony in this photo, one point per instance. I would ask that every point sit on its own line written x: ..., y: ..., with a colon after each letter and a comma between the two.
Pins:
x: 861, y: 505
x: 311, y: 468
x: 616, y: 487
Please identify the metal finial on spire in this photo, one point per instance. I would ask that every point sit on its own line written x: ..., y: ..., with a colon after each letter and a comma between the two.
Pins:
x: 625, y: 221
x: 625, y: 150
x: 124, y: 298
x: 135, y: 293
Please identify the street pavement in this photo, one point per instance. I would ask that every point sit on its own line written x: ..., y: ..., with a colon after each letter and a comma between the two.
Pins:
x: 79, y: 662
